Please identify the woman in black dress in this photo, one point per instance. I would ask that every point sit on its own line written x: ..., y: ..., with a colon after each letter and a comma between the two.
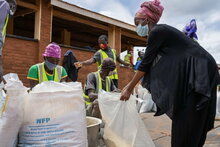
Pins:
x: 181, y: 76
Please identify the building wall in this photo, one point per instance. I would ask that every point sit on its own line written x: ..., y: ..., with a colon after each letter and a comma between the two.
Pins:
x: 125, y: 74
x: 82, y: 56
x: 18, y: 56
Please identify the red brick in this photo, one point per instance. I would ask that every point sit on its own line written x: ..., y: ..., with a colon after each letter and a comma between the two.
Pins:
x: 19, y: 55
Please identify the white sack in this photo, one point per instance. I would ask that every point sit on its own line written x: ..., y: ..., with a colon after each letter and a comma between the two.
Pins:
x: 218, y: 106
x: 147, y: 104
x: 54, y: 115
x: 11, y: 114
x: 123, y: 125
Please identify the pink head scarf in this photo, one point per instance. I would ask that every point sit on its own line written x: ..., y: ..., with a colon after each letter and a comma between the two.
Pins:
x: 52, y: 50
x: 151, y: 10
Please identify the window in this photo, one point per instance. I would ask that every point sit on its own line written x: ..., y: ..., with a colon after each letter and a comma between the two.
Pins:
x: 22, y: 23
x: 75, y: 34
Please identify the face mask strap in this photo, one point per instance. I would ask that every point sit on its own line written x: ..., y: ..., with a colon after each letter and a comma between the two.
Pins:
x: 143, y: 22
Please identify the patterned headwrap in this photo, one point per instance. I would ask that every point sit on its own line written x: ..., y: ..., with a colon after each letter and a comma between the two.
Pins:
x: 190, y: 29
x: 151, y: 10
x: 52, y: 50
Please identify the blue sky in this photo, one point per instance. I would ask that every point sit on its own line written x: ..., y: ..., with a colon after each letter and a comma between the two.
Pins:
x: 176, y: 13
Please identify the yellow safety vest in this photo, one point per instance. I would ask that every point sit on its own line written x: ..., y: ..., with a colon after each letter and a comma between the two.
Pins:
x: 4, y: 28
x: 127, y: 58
x: 138, y: 58
x: 98, y: 86
x: 42, y: 75
x: 104, y: 56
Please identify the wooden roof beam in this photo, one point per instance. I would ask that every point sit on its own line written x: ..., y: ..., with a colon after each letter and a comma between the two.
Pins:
x: 70, y: 17
x: 27, y: 5
x: 126, y: 34
x: 23, y: 12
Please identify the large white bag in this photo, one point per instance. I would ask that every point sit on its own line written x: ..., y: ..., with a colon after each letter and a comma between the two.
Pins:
x: 218, y: 106
x: 144, y: 101
x: 123, y: 125
x: 54, y: 115
x: 147, y: 105
x: 11, y: 113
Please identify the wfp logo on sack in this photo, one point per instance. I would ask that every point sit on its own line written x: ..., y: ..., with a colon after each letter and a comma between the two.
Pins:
x: 42, y: 120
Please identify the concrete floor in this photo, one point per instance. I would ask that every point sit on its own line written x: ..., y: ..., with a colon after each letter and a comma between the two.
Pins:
x: 160, y: 131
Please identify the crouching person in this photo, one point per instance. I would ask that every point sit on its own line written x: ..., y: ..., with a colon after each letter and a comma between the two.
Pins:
x: 96, y: 81
x: 49, y: 70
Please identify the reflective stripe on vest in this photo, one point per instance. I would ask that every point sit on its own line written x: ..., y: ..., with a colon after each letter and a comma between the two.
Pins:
x: 4, y: 28
x: 127, y: 58
x: 42, y: 75
x: 104, y: 56
x: 98, y: 86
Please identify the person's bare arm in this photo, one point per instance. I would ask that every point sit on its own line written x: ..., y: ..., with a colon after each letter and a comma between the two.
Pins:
x: 87, y: 62
x: 128, y: 89
x: 92, y: 95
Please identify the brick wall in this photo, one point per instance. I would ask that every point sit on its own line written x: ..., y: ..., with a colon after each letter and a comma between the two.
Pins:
x: 125, y: 74
x: 45, y: 27
x: 82, y: 56
x: 18, y: 56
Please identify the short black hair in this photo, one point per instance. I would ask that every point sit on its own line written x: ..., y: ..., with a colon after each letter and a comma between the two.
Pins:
x: 139, y: 53
x: 103, y: 37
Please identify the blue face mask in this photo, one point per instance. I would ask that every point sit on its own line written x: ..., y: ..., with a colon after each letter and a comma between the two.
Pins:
x: 142, y: 30
x: 49, y: 65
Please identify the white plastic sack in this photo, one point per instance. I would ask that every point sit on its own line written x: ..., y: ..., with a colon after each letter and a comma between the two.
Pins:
x: 147, y: 104
x: 2, y: 99
x: 54, y: 115
x: 12, y: 110
x: 139, y: 92
x: 123, y: 125
x: 218, y: 106
x: 144, y: 101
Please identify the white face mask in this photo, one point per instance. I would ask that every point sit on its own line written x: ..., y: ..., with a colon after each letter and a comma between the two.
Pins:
x: 50, y: 65
x: 142, y: 30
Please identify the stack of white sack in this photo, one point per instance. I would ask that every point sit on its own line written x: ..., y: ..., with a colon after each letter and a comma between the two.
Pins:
x: 123, y: 125
x: 54, y: 115
x: 218, y: 106
x: 11, y: 110
x: 144, y: 101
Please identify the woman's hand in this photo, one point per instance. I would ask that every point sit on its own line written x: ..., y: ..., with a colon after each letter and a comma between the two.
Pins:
x: 126, y: 93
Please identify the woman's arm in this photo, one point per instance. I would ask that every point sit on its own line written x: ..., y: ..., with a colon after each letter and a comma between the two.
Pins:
x: 126, y: 92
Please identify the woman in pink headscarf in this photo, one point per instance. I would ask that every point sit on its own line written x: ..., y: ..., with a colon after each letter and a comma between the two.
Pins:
x: 49, y: 70
x: 181, y: 76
